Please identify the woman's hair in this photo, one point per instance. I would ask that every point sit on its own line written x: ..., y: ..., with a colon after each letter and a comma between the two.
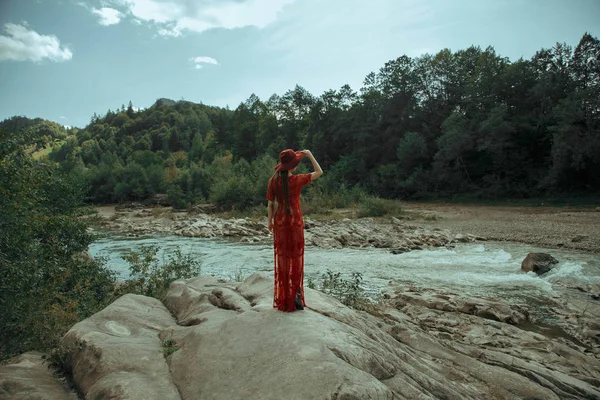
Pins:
x: 283, y: 177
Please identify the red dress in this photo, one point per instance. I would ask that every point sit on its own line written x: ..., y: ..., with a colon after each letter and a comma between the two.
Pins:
x: 288, y: 242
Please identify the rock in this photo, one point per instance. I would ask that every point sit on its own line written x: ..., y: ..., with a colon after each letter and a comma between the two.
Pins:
x: 488, y: 309
x: 27, y: 376
x: 579, y: 238
x: 462, y: 238
x: 229, y: 343
x: 399, y: 250
x: 540, y: 263
x: 160, y: 199
x: 203, y: 208
x: 117, y: 352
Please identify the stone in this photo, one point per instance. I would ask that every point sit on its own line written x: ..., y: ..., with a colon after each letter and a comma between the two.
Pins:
x: 579, y: 238
x: 117, y: 352
x: 540, y: 263
x: 462, y: 238
x: 231, y: 344
x: 27, y: 376
x: 354, y: 233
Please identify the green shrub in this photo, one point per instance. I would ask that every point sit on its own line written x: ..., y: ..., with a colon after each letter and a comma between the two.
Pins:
x: 235, y: 192
x: 150, y: 277
x: 177, y: 197
x: 349, y: 292
x: 377, y: 207
x: 322, y: 198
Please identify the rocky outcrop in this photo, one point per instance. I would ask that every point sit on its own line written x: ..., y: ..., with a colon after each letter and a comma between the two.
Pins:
x: 27, y: 377
x: 117, y: 353
x: 357, y: 233
x: 451, y: 302
x: 223, y: 340
x: 540, y: 263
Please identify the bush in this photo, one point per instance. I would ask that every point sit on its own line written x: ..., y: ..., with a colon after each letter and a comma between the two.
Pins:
x: 151, y: 278
x: 177, y: 197
x: 377, y: 207
x: 322, y: 198
x: 349, y: 292
x: 235, y: 192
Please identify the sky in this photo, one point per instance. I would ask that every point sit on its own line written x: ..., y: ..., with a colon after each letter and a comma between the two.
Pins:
x: 65, y: 60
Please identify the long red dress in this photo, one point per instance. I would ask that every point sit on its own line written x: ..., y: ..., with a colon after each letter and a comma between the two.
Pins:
x: 288, y: 242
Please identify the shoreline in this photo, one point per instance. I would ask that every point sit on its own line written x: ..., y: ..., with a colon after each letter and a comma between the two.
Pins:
x: 421, y: 225
x: 572, y: 228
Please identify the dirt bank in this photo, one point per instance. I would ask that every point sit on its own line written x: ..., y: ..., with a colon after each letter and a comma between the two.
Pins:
x: 567, y: 227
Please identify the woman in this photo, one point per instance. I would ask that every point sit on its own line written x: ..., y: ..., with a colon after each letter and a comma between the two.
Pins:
x: 287, y: 226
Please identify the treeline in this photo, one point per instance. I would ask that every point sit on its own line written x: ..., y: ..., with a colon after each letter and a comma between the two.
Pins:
x: 469, y: 122
x: 40, y: 133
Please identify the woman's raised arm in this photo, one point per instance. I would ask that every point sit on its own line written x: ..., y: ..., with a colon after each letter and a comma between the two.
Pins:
x: 318, y: 171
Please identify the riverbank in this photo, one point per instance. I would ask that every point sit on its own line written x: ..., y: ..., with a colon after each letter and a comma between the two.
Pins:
x: 397, y: 234
x: 421, y: 225
x: 576, y: 228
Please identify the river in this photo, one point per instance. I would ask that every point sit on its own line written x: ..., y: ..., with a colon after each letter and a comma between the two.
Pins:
x: 486, y: 269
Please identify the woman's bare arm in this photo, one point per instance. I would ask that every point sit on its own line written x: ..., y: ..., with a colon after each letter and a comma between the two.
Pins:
x: 318, y: 171
x: 270, y: 209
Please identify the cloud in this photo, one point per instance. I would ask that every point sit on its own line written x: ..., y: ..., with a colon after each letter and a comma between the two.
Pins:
x: 199, y: 61
x: 108, y: 16
x: 22, y: 44
x: 175, y: 17
x: 62, y: 117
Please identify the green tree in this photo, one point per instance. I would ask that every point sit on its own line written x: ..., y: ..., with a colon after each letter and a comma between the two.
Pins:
x: 46, y: 281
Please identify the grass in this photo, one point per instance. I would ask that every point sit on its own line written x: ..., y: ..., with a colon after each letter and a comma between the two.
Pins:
x: 42, y: 153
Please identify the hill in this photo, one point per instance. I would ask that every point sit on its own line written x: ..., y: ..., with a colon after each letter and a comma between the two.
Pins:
x: 466, y: 123
x: 46, y: 134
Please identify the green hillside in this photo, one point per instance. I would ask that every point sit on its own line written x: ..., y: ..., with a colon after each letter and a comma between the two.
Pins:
x: 466, y: 123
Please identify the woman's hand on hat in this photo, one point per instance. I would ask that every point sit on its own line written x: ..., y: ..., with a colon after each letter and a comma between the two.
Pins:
x: 306, y: 152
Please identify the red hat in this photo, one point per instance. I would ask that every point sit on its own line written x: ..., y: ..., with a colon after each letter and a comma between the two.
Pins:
x: 289, y: 159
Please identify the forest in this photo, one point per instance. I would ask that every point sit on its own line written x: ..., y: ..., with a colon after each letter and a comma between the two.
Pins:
x: 467, y: 123
x: 464, y: 124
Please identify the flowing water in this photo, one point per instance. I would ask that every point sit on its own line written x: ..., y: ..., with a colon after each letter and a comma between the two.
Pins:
x: 485, y: 269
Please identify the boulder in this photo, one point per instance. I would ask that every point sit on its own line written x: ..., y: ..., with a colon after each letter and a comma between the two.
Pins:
x: 540, y: 263
x: 222, y: 340
x: 117, y: 352
x: 27, y: 376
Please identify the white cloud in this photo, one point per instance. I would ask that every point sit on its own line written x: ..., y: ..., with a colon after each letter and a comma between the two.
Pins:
x: 199, y: 61
x: 175, y: 17
x: 207, y: 60
x: 63, y: 117
x: 23, y: 44
x: 108, y: 16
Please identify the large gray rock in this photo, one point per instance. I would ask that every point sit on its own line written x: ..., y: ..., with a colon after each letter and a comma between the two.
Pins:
x: 232, y: 344
x: 540, y: 263
x: 27, y: 377
x: 117, y: 352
